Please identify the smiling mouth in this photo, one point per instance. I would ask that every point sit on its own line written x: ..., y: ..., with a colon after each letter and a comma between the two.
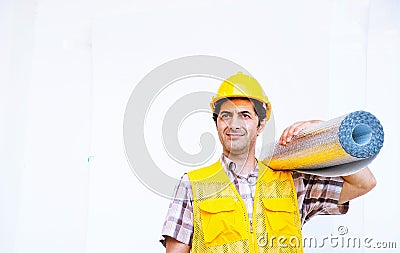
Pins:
x: 235, y: 135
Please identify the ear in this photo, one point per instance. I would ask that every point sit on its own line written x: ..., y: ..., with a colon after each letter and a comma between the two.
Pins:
x: 260, y: 128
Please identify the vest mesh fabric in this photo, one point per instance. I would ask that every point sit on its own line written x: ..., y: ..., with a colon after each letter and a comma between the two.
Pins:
x: 211, y: 183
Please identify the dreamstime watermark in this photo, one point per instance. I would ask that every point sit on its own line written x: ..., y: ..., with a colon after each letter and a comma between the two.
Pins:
x: 152, y: 87
x: 339, y: 240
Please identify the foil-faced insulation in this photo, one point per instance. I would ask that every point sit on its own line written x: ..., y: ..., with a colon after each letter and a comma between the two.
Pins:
x: 350, y: 138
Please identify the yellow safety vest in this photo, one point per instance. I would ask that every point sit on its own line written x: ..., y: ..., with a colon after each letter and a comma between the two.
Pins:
x: 221, y: 222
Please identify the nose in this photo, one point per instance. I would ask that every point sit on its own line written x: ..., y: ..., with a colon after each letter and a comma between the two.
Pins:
x: 236, y: 122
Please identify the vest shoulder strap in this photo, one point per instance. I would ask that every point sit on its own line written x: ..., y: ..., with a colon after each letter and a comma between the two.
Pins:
x: 214, y: 171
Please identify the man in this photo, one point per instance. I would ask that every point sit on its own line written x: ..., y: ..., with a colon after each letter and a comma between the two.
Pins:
x: 238, y: 204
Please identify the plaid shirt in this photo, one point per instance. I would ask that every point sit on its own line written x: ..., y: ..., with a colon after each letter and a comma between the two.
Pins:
x: 316, y: 195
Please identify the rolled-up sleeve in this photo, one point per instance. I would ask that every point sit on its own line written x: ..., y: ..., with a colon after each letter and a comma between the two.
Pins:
x: 318, y: 195
x: 178, y: 223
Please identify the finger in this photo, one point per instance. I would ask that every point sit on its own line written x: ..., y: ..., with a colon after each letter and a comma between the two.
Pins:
x: 282, y: 140
x: 305, y: 125
x: 292, y: 130
x: 287, y: 134
x: 300, y: 128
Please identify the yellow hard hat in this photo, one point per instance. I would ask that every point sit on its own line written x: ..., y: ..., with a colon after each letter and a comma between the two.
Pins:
x: 241, y: 85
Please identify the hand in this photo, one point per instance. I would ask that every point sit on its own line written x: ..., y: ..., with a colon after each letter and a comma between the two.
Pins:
x: 295, y: 129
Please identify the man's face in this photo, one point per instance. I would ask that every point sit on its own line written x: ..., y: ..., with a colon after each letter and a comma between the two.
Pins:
x: 237, y: 127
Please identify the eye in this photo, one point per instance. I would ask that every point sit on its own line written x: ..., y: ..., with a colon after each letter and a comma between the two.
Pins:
x: 224, y: 115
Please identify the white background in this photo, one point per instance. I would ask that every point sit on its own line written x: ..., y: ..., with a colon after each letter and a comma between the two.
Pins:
x: 67, y: 69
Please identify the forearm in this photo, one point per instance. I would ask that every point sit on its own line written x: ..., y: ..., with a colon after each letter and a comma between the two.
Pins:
x: 356, y: 185
x: 174, y: 246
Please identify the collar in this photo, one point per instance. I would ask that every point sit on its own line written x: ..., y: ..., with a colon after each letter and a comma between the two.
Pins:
x: 231, y: 169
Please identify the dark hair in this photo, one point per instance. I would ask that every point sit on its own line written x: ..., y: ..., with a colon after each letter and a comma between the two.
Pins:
x: 258, y: 108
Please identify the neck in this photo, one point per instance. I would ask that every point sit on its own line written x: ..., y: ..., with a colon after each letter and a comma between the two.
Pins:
x: 247, y: 162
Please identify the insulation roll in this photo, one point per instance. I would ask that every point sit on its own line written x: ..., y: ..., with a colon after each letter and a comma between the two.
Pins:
x: 344, y: 140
